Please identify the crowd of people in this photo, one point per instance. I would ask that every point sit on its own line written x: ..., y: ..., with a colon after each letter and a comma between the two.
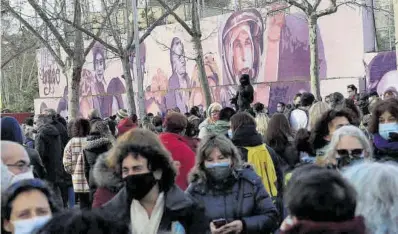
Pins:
x: 313, y: 166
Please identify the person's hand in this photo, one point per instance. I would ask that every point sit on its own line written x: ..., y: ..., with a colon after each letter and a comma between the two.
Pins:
x: 288, y: 223
x: 215, y: 230
x: 234, y: 227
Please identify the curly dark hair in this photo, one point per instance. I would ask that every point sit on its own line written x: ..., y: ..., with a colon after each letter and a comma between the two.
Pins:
x: 321, y: 128
x: 80, y: 127
x: 156, y: 160
x: 390, y: 105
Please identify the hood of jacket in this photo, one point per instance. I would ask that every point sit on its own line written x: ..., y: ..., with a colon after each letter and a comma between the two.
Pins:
x: 49, y: 130
x: 247, y: 136
x: 106, y: 177
x: 354, y: 226
x: 219, y: 127
x: 10, y: 130
x: 95, y: 142
x: 192, y: 118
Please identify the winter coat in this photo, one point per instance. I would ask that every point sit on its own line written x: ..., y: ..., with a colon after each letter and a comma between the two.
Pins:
x: 39, y: 171
x: 107, y: 181
x: 354, y: 226
x: 73, y: 161
x: 192, y: 142
x: 178, y: 207
x: 246, y: 136
x: 49, y: 146
x: 125, y: 125
x: 96, y: 145
x: 220, y: 127
x: 246, y: 199
x: 385, y: 150
x: 62, y: 132
x: 289, y: 155
x: 180, y: 152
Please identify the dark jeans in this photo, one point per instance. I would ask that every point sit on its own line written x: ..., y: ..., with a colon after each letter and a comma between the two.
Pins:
x: 67, y: 195
x: 84, y: 199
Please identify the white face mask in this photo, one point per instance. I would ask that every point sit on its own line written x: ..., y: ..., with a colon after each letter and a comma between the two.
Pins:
x: 6, y: 177
x: 21, y: 176
x: 28, y: 226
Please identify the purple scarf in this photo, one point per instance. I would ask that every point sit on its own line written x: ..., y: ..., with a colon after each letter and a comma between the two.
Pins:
x: 383, y: 144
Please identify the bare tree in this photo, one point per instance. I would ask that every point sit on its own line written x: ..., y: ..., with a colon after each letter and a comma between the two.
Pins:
x: 75, y: 53
x: 196, y: 34
x: 122, y: 47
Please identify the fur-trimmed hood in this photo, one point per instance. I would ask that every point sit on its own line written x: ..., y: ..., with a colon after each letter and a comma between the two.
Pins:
x: 104, y: 176
x: 95, y: 142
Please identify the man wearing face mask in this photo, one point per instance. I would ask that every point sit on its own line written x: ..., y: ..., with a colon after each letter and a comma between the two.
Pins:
x: 149, y: 202
x: 17, y: 161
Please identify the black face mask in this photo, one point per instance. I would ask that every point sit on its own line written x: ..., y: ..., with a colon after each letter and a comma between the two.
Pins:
x: 138, y: 186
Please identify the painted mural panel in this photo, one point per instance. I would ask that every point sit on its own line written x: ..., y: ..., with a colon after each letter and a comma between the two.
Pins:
x: 274, y: 51
x: 382, y: 72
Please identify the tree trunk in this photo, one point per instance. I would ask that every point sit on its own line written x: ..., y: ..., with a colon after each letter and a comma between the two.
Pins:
x: 314, y: 67
x: 73, y: 90
x: 129, y: 85
x: 395, y: 2
x: 199, y: 53
x: 140, y: 76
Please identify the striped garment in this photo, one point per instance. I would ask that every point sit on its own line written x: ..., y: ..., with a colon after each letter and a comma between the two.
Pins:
x: 74, y: 163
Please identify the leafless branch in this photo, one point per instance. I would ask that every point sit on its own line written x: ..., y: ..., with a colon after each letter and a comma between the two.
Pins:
x: 34, y: 31
x: 152, y: 27
x: 51, y: 26
x: 168, y: 48
x: 214, y: 31
x: 115, y: 35
x: 298, y: 5
x: 179, y: 20
x: 330, y: 10
x: 18, y: 53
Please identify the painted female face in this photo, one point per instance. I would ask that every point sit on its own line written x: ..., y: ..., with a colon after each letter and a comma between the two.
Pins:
x: 242, y: 47
x: 177, y: 56
x: 99, y: 65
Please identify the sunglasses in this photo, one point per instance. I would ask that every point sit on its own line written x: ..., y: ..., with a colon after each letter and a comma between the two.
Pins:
x: 354, y: 153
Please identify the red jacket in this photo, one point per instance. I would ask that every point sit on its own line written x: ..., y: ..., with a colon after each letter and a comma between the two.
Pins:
x: 182, y: 154
x: 125, y: 125
x: 102, y: 196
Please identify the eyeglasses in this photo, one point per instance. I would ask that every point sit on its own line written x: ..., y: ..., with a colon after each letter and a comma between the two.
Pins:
x: 355, y: 153
x: 21, y: 166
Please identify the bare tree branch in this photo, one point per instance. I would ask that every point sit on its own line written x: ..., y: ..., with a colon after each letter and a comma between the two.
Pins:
x: 18, y: 53
x: 32, y: 30
x: 316, y: 5
x: 51, y: 26
x: 330, y: 10
x: 298, y: 5
x: 152, y: 27
x: 179, y: 20
x: 168, y: 48
x: 115, y: 34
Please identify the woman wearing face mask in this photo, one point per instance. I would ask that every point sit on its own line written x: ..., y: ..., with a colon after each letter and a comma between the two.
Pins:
x: 232, y: 194
x: 384, y: 127
x: 150, y: 202
x: 348, y: 146
x: 27, y: 206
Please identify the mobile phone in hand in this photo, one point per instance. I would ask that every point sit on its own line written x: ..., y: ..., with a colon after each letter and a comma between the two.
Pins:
x: 219, y: 222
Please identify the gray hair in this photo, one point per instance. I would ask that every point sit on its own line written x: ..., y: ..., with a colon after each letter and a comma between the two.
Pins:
x: 94, y: 113
x: 377, y: 185
x: 206, y: 147
x: 352, y: 131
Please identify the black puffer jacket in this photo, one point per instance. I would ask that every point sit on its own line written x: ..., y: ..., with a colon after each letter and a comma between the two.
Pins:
x: 49, y: 146
x: 62, y: 132
x: 96, y: 145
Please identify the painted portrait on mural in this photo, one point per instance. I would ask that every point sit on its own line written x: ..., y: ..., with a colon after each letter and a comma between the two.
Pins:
x: 284, y: 92
x: 197, y: 97
x: 43, y: 106
x: 154, y: 95
x: 382, y: 73
x: 99, y: 66
x: 241, y: 45
x: 62, y: 108
x: 142, y: 61
x: 89, y: 88
x: 179, y: 81
x: 113, y: 101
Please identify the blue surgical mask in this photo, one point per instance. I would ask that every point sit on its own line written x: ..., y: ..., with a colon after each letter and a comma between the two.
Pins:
x: 28, y: 226
x: 221, y: 164
x: 386, y: 129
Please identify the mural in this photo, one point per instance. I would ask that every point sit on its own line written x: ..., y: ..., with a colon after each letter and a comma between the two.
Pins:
x: 273, y: 50
x: 382, y: 72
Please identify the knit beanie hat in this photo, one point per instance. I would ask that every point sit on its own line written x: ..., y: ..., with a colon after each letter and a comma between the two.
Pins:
x: 122, y: 113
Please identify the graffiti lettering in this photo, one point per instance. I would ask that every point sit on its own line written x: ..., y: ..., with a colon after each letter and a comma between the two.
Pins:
x: 49, y: 78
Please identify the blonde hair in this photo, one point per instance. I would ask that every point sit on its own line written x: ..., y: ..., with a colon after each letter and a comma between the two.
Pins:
x: 315, y: 113
x: 262, y: 121
x: 213, y: 106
